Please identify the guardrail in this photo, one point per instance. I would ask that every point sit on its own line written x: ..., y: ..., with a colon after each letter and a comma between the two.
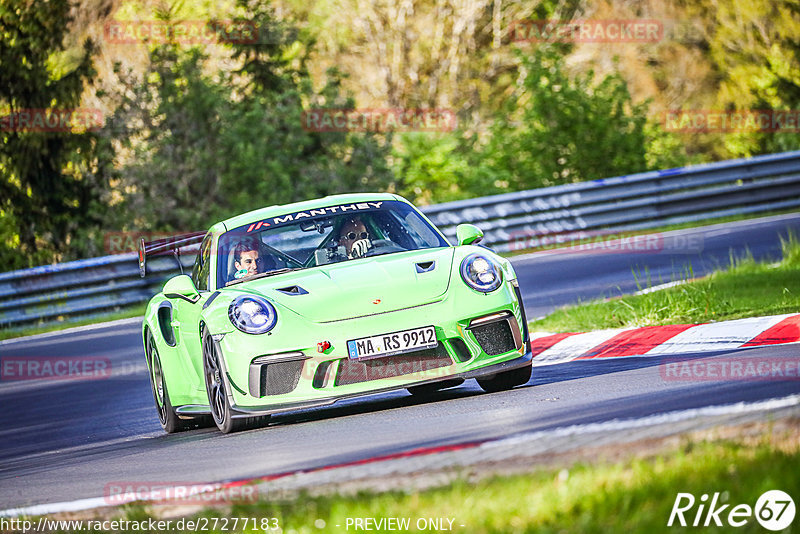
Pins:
x: 99, y: 286
x: 634, y: 202
x: 67, y: 292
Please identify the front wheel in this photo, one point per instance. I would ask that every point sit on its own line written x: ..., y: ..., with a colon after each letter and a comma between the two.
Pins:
x: 217, y: 394
x: 506, y: 380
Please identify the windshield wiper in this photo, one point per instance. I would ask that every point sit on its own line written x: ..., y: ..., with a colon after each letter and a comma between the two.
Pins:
x: 262, y: 275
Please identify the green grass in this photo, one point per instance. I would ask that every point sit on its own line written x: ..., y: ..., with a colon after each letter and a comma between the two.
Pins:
x: 746, y: 289
x: 634, y: 495
x: 135, y: 311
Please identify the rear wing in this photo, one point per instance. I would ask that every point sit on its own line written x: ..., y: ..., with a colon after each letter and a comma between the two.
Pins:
x: 170, y: 245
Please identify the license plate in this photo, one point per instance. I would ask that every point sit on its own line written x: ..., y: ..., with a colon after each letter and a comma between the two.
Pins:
x: 393, y: 343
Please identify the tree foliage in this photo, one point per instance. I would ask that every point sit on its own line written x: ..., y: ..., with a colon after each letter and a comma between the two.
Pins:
x: 431, y: 168
x: 50, y: 181
x: 206, y: 147
x: 755, y: 45
x: 556, y: 128
x: 560, y: 129
x: 194, y: 135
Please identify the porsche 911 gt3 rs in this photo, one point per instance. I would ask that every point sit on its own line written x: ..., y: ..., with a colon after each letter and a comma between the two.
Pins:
x: 305, y: 304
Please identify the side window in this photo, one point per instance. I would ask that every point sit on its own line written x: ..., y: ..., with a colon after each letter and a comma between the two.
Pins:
x: 422, y: 232
x: 202, y: 265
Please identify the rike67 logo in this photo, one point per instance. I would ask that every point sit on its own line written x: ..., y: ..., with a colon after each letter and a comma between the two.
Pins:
x: 774, y: 510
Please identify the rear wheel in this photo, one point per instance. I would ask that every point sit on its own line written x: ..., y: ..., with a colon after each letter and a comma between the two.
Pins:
x: 506, y: 380
x: 217, y: 394
x: 169, y: 420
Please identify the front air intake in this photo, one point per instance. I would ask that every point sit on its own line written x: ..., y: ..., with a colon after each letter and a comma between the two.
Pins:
x: 460, y: 348
x: 275, y: 374
x: 497, y: 334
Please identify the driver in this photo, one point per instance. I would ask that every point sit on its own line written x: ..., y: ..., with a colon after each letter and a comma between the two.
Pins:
x: 245, y: 259
x: 354, y: 237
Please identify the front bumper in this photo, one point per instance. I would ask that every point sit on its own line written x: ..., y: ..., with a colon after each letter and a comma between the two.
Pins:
x: 283, y: 371
x: 520, y: 361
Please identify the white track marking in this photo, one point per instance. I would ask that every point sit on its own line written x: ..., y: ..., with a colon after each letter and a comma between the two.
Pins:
x: 537, y: 335
x: 570, y: 348
x: 56, y: 508
x: 661, y: 286
x: 726, y: 335
x: 617, y: 425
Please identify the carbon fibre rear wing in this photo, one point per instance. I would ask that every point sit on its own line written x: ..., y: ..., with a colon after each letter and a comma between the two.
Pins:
x: 170, y: 245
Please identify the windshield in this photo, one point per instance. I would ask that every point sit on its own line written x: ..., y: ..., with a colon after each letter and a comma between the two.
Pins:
x: 322, y: 236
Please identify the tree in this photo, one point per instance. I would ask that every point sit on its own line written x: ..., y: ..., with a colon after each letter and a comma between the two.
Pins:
x: 560, y: 129
x: 756, y: 48
x: 49, y: 180
x: 424, y: 53
x: 169, y: 122
x: 431, y: 168
x: 208, y: 146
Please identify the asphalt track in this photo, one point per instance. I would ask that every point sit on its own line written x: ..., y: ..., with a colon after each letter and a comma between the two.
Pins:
x: 66, y: 440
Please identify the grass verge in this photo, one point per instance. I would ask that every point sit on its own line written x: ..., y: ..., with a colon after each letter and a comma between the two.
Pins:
x: 746, y: 289
x: 633, y: 494
x: 135, y: 311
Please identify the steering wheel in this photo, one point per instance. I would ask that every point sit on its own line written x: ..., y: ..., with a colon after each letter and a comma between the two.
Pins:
x: 283, y: 255
x: 382, y: 246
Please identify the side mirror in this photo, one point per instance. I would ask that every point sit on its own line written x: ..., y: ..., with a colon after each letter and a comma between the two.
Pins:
x: 181, y: 287
x: 468, y: 234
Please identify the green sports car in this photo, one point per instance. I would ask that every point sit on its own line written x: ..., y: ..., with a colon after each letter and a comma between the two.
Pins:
x: 302, y: 305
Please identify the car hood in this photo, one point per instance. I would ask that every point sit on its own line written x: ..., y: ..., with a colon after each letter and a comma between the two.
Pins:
x: 361, y: 287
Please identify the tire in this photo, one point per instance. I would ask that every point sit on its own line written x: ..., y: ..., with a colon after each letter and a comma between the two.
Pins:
x: 169, y: 420
x: 221, y: 411
x: 429, y: 389
x: 506, y: 380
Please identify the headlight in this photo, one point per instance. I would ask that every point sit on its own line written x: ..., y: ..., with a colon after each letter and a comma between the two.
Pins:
x: 252, y: 314
x: 481, y: 273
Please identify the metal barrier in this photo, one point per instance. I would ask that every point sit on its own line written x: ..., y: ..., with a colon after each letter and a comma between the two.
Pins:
x: 99, y: 286
x: 68, y: 292
x: 634, y: 202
